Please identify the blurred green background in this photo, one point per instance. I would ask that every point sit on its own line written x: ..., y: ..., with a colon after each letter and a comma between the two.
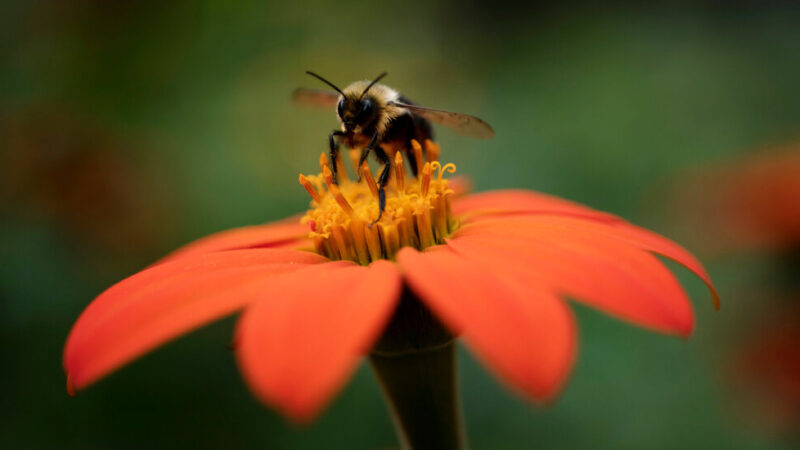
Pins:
x: 129, y: 128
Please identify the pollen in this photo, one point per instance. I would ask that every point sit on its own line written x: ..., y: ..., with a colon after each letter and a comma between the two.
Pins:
x: 342, y: 217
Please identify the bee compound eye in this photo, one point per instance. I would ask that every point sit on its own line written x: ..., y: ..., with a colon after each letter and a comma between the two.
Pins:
x: 366, y: 106
x: 340, y: 108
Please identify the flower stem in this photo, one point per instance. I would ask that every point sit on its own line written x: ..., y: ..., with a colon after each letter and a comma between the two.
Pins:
x: 415, y: 363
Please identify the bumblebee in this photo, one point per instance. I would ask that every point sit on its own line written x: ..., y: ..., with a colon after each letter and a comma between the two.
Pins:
x: 377, y: 118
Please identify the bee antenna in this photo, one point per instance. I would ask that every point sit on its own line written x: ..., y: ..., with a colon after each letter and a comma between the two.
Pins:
x: 325, y: 81
x: 373, y: 83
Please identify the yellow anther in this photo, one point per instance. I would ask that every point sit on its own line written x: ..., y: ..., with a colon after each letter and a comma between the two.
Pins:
x: 452, y: 223
x: 425, y: 180
x: 342, y: 244
x: 366, y: 174
x: 424, y: 229
x: 310, y: 188
x: 409, y: 223
x: 417, y: 149
x: 417, y: 214
x: 440, y: 212
x: 336, y: 192
x: 390, y: 239
x: 337, y: 195
x: 359, y: 241
x: 323, y: 162
x: 331, y: 250
x: 399, y: 172
x: 432, y: 150
x: 403, y: 233
x: 373, y: 243
x: 327, y: 175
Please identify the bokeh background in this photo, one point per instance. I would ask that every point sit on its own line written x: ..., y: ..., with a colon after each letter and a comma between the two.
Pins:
x: 129, y: 128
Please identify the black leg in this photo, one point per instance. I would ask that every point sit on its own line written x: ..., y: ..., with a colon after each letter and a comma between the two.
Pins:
x: 334, y: 148
x: 382, y: 180
x: 412, y: 158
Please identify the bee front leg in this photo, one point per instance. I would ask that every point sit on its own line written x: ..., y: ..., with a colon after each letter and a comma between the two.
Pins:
x: 334, y: 150
x: 383, y: 179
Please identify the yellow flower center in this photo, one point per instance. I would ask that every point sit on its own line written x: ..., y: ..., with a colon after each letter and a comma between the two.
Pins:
x: 342, y: 217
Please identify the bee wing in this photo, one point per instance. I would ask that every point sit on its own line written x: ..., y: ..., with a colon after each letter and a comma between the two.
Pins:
x: 315, y: 97
x: 460, y: 123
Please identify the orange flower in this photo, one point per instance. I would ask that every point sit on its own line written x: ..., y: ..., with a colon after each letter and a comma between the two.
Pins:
x: 753, y: 203
x: 494, y: 268
x: 765, y: 369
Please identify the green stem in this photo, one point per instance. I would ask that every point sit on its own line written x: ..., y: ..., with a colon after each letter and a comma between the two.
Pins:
x: 415, y: 363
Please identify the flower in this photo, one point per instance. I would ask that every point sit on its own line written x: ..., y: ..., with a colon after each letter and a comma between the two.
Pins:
x: 60, y: 168
x: 754, y: 204
x: 749, y: 204
x: 317, y: 291
x: 765, y: 367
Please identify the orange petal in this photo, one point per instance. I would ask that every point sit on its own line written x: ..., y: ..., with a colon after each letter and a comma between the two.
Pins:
x: 621, y: 230
x: 164, y: 301
x: 600, y: 270
x: 460, y: 185
x: 523, y: 332
x: 510, y: 202
x: 656, y: 243
x: 274, y: 234
x: 300, y: 344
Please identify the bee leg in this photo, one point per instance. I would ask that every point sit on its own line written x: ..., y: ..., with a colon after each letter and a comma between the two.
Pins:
x: 412, y: 159
x: 334, y: 149
x: 365, y: 153
x: 383, y: 179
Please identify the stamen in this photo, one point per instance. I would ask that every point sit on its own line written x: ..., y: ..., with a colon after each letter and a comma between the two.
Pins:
x: 319, y: 245
x: 327, y: 175
x: 417, y: 213
x: 410, y: 225
x: 342, y: 245
x: 425, y: 180
x: 424, y: 229
x: 399, y: 171
x: 440, y: 212
x: 333, y: 251
x: 323, y: 162
x: 432, y: 150
x: 340, y: 170
x: 373, y: 243
x: 337, y: 194
x: 310, y: 189
x: 417, y: 149
x: 390, y: 238
x: 403, y: 233
x: 367, y: 175
x: 334, y: 190
x: 359, y: 241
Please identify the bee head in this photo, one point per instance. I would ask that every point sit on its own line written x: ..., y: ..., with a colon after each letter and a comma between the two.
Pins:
x: 356, y: 111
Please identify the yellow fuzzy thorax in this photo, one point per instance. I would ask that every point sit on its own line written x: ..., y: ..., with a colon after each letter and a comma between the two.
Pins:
x: 342, y: 217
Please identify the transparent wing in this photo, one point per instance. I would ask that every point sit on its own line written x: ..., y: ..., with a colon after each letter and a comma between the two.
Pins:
x: 460, y: 123
x: 315, y: 97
